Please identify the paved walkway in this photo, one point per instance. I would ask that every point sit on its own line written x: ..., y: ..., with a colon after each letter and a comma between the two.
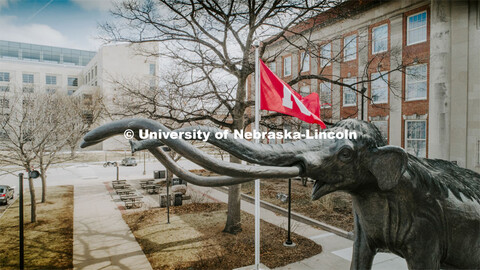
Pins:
x: 102, y: 239
x: 337, y: 251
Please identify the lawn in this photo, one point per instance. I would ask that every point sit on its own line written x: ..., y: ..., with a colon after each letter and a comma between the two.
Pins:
x: 49, y: 241
x: 194, y: 239
x: 334, y: 209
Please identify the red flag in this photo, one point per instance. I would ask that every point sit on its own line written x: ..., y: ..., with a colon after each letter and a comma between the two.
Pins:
x: 277, y: 96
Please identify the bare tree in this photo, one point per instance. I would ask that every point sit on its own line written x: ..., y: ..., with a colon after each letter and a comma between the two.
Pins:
x: 206, y: 48
x: 35, y: 129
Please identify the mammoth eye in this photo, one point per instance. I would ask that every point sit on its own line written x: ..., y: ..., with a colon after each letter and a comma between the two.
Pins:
x: 345, y: 154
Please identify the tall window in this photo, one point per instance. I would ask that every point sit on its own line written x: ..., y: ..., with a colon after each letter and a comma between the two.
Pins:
x: 287, y: 66
x: 350, y: 48
x: 72, y: 81
x: 325, y: 94
x: 95, y: 71
x: 379, y: 88
x: 4, y: 76
x: 273, y: 67
x: 305, y: 90
x: 416, y: 82
x: 416, y: 137
x: 325, y: 54
x: 383, y: 128
x: 152, y: 69
x: 305, y: 61
x: 349, y: 95
x: 4, y: 88
x: 52, y: 80
x: 417, y: 28
x: 4, y: 103
x: 27, y: 78
x: 51, y: 90
x: 380, y: 39
x: 70, y: 92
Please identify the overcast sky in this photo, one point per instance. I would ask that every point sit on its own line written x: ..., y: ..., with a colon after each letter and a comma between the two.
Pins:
x: 62, y: 23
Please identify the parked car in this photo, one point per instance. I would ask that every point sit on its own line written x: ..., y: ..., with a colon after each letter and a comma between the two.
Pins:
x: 6, y: 193
x: 130, y: 161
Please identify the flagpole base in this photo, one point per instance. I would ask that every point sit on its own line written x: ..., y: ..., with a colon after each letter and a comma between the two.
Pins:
x: 289, y: 243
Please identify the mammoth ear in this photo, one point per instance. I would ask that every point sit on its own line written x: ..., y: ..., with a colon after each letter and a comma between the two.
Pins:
x: 387, y: 164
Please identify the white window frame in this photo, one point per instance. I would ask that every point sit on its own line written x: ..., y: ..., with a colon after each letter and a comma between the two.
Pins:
x: 345, y: 89
x: 347, y: 45
x: 375, y: 122
x: 407, y: 82
x: 52, y: 76
x: 301, y: 90
x: 273, y: 66
x: 375, y: 77
x: 322, y: 102
x: 373, y: 38
x: 285, y: 73
x: 409, y: 29
x: 324, y: 58
x: 406, y: 136
x: 3, y: 76
x: 305, y: 61
x: 28, y: 74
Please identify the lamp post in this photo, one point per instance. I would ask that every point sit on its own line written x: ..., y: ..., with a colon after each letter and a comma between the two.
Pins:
x: 20, y: 210
x: 144, y: 166
x: 289, y: 242
x: 364, y: 89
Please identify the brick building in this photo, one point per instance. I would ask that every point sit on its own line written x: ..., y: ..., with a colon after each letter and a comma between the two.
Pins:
x: 417, y: 61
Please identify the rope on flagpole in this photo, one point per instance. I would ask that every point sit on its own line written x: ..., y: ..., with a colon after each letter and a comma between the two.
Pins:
x: 256, y: 44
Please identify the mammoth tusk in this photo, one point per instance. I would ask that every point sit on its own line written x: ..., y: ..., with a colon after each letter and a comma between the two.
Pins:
x: 187, y: 150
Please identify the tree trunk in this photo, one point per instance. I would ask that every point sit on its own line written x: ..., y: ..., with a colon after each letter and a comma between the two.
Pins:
x: 33, y: 202
x: 72, y: 151
x: 44, y: 186
x: 234, y: 222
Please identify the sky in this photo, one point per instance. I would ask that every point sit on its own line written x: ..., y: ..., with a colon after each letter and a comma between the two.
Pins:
x: 61, y: 23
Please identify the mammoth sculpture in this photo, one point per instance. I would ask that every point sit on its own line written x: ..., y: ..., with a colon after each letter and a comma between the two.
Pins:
x: 426, y: 211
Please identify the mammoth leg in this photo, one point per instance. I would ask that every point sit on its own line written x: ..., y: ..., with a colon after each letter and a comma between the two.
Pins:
x: 363, y: 254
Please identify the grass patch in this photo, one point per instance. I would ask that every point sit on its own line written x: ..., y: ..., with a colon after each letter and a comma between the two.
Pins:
x: 49, y: 241
x: 194, y: 239
x: 334, y: 209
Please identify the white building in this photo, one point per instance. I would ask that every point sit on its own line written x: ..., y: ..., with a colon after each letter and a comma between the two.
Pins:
x: 29, y: 67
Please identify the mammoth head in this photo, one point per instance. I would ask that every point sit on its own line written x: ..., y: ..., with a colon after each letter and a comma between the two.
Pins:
x: 335, y: 164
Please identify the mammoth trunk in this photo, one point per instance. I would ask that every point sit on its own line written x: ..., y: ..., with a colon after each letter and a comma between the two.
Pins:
x: 234, y: 223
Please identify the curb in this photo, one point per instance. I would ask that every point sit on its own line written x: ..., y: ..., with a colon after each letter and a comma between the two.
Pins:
x: 296, y: 216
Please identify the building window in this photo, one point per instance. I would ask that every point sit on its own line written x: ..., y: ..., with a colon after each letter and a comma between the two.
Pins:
x: 325, y: 94
x: 51, y: 80
x: 287, y: 66
x: 72, y: 81
x: 350, y: 48
x: 4, y: 88
x: 380, y: 39
x: 152, y: 69
x: 95, y: 71
x: 416, y: 137
x: 305, y: 61
x: 70, y: 92
x: 416, y: 82
x: 273, y: 66
x: 27, y: 89
x: 379, y: 88
x: 383, y: 128
x: 349, y: 95
x: 325, y: 54
x: 51, y: 90
x: 4, y: 103
x: 27, y: 78
x: 4, y: 76
x: 305, y: 90
x: 417, y: 28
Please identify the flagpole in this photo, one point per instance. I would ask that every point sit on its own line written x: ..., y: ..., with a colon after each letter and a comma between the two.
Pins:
x: 256, y: 44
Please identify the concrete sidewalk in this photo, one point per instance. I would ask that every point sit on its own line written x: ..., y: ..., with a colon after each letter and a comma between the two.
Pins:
x: 102, y: 239
x: 337, y: 251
